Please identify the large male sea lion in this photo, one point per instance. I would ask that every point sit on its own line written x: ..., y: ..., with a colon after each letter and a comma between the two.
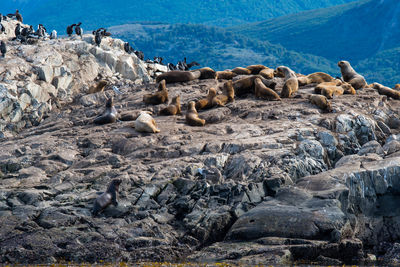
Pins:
x: 174, y: 108
x: 262, y: 91
x: 351, y: 76
x: 383, y: 90
x: 192, y: 117
x: 161, y: 96
x: 291, y: 84
x: 207, y: 102
x: 178, y: 76
x: 109, y: 115
x: 321, y: 102
x: 146, y: 124
x: 206, y: 73
x: 107, y: 198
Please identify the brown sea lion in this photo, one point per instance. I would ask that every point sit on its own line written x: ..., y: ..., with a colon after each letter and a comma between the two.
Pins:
x: 351, y: 76
x: 321, y: 102
x: 291, y: 84
x: 317, y: 77
x: 107, y: 198
x: 255, y: 69
x: 348, y: 89
x: 241, y: 71
x: 226, y: 75
x: 207, y: 102
x: 396, y: 87
x: 329, y: 89
x: 161, y: 96
x: 262, y: 91
x: 206, y: 73
x: 244, y: 85
x: 109, y: 115
x: 228, y: 96
x: 383, y: 90
x: 98, y: 88
x: 175, y: 76
x: 192, y: 117
x: 174, y: 108
x: 267, y: 73
x: 146, y: 124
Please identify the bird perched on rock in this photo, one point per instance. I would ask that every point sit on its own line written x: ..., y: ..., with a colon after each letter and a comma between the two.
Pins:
x: 97, y: 38
x: 53, y: 34
x: 78, y: 29
x: 3, y: 48
x: 18, y: 16
x: 17, y: 30
x: 2, y: 28
x: 70, y: 29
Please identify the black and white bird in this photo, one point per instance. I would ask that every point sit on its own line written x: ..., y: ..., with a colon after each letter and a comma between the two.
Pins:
x: 70, y: 29
x: 17, y: 30
x: 78, y: 29
x: 97, y: 38
x: 53, y: 34
x: 3, y: 48
x: 2, y: 28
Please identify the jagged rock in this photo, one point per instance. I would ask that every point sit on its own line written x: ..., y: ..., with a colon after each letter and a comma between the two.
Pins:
x: 371, y: 147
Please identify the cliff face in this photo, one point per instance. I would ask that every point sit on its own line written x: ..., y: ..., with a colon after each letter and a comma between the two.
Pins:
x: 262, y: 182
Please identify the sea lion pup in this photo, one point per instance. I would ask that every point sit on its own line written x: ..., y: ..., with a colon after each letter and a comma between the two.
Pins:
x: 98, y: 88
x: 226, y: 75
x: 70, y: 29
x: 3, y: 48
x: 178, y: 76
x: 192, y: 117
x: 255, y: 69
x: 383, y: 90
x: 146, y: 124
x: 107, y: 198
x: 206, y: 73
x: 396, y: 87
x: 241, y: 71
x: 228, y: 96
x: 321, y: 102
x: 109, y: 115
x: 262, y: 91
x: 351, y: 76
x: 317, y: 77
x: 18, y: 16
x: 161, y: 96
x: 207, y: 102
x: 174, y: 108
x: 291, y: 83
x: 267, y: 73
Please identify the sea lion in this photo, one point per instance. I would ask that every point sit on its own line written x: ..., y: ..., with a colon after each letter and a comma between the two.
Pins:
x: 98, y: 88
x: 161, y: 96
x: 174, y: 108
x: 262, y: 91
x: 207, y: 102
x: 351, y: 76
x: 18, y: 16
x: 207, y: 73
x: 348, y: 89
x: 107, y: 198
x: 291, y: 83
x: 241, y: 71
x: 3, y: 48
x: 255, y: 69
x: 267, y: 73
x: 228, y: 96
x: 317, y: 77
x: 225, y: 75
x: 321, y: 102
x: 192, y: 117
x: 330, y: 91
x: 383, y: 90
x: 396, y: 87
x: 178, y: 76
x: 146, y: 124
x: 244, y: 85
x: 109, y: 115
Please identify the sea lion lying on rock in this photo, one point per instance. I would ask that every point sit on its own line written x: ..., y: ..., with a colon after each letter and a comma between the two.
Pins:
x: 174, y: 108
x: 146, y: 124
x: 267, y: 73
x: 321, y: 102
x: 228, y: 96
x: 317, y: 77
x: 107, y: 198
x: 178, y: 76
x: 334, y: 88
x: 255, y: 69
x: 291, y: 84
x: 246, y: 85
x: 109, y: 115
x: 206, y: 73
x: 207, y: 102
x: 225, y: 75
x: 262, y: 91
x: 98, y: 88
x: 351, y: 76
x: 161, y: 96
x: 396, y: 87
x: 241, y: 71
x: 383, y: 90
x: 192, y: 117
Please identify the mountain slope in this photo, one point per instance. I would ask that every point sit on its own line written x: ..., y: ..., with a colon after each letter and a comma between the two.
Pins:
x: 214, y: 47
x: 95, y: 13
x: 354, y: 31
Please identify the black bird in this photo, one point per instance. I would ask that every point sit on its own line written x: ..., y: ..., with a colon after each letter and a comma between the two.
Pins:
x: 18, y: 16
x: 70, y: 29
x: 3, y: 48
x: 97, y: 38
x: 139, y: 54
x: 2, y: 28
x: 27, y: 31
x: 128, y: 48
x: 1, y: 17
x: 78, y: 29
x: 17, y: 30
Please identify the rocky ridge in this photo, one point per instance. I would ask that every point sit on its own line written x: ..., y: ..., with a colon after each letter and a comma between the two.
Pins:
x: 262, y: 182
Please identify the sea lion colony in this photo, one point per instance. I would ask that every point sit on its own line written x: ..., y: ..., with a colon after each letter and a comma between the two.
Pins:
x: 239, y: 82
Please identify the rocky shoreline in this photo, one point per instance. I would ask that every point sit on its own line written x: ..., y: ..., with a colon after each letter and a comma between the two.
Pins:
x: 262, y: 183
